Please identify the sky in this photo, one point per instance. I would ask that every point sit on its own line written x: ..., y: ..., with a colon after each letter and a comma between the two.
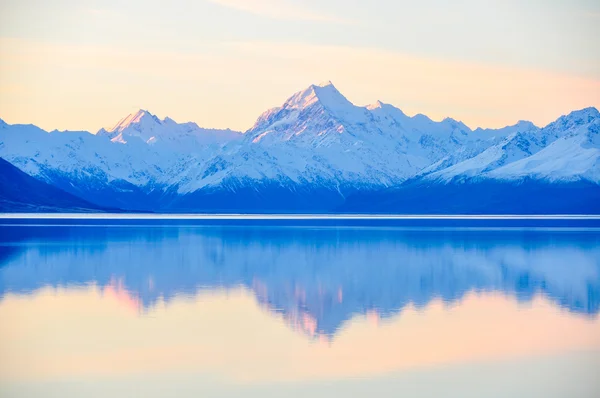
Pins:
x: 85, y: 64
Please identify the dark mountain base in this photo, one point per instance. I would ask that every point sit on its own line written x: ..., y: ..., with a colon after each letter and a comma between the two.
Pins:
x: 524, y: 197
x: 261, y: 199
x: 115, y: 194
x: 19, y: 192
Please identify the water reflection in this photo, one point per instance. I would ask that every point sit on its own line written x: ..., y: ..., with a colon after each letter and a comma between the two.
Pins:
x: 315, y: 278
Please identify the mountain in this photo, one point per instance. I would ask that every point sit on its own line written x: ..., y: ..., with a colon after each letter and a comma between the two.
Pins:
x: 83, y: 164
x: 116, y: 168
x: 318, y: 152
x: 574, y: 155
x: 317, y: 149
x: 536, y: 152
x: 553, y: 170
x: 321, y: 134
x: 21, y: 192
x: 142, y: 125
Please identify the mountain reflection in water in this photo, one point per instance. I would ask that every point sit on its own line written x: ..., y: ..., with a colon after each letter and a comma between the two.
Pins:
x: 316, y: 278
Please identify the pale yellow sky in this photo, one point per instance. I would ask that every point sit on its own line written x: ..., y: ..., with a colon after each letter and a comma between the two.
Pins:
x: 221, y: 63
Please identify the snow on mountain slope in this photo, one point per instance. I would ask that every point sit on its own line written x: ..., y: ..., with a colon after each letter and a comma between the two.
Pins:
x: 575, y: 156
x: 81, y: 154
x: 512, y: 148
x: 314, y: 116
x: 147, y: 127
x: 89, y: 166
x: 76, y: 155
x: 520, y: 126
x: 480, y: 141
x: 443, y: 143
x: 318, y: 137
x: 521, y: 146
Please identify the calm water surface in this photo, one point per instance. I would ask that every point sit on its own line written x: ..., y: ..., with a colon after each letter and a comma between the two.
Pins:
x: 230, y: 311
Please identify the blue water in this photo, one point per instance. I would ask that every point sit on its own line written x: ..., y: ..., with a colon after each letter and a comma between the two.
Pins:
x: 252, y: 310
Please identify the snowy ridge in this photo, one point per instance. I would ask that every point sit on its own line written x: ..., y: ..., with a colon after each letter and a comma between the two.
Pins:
x: 120, y: 162
x: 565, y: 150
x: 150, y: 129
x: 573, y: 157
x: 316, y: 141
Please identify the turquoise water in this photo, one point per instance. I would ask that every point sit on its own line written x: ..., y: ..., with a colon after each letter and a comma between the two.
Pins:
x: 172, y: 308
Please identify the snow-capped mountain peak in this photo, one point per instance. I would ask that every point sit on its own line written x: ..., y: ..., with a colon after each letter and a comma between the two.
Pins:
x: 152, y: 130
x: 140, y: 124
x: 326, y: 94
x: 575, y: 118
x: 377, y: 105
x: 382, y: 111
x: 525, y: 124
x: 588, y: 113
x: 456, y: 124
x: 168, y: 121
x: 141, y: 117
x: 315, y: 114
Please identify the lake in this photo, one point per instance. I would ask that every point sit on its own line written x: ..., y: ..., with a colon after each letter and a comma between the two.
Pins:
x: 118, y: 307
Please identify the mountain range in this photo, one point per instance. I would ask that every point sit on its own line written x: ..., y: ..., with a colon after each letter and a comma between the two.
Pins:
x: 317, y: 152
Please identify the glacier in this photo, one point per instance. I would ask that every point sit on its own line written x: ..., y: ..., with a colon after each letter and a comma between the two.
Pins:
x: 318, y: 152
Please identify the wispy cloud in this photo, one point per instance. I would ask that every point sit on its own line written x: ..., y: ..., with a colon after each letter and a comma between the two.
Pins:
x: 279, y: 9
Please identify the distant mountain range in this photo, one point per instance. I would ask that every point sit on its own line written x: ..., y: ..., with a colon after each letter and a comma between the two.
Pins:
x: 316, y: 153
